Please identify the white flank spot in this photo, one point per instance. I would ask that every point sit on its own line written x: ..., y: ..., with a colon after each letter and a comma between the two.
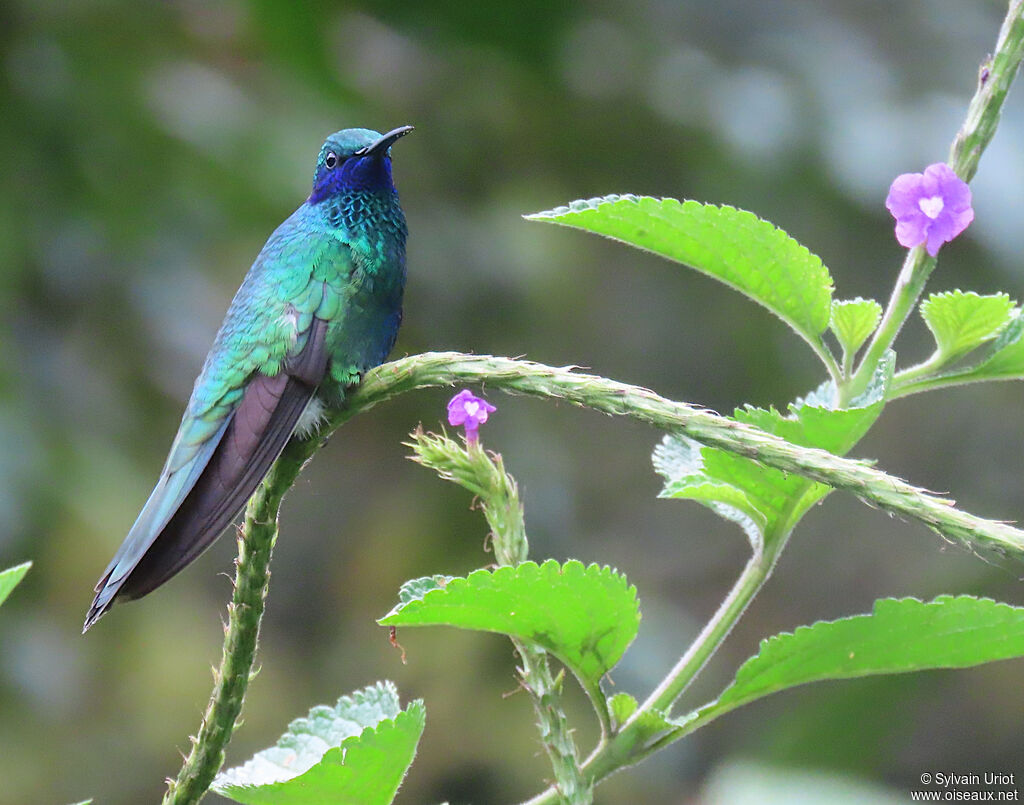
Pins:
x: 310, y: 418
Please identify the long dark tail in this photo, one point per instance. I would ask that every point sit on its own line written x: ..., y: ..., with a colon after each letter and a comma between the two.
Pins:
x: 258, y: 431
x: 254, y: 438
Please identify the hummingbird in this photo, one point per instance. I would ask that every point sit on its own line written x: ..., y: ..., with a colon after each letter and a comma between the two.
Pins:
x: 320, y: 306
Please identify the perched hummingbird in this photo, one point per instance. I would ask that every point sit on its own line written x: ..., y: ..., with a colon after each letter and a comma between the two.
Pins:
x: 321, y: 305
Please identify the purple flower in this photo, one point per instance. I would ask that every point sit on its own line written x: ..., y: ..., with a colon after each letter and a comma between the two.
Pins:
x: 470, y: 412
x: 931, y: 207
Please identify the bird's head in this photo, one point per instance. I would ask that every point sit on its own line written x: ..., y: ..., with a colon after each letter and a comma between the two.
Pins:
x: 355, y: 161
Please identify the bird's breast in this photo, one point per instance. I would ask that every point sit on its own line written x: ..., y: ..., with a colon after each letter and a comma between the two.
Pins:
x: 369, y: 313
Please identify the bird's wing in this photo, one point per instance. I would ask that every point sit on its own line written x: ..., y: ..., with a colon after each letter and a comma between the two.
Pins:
x: 191, y: 506
x: 226, y: 443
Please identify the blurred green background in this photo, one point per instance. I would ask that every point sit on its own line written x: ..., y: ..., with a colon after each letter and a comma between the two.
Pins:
x: 148, y: 149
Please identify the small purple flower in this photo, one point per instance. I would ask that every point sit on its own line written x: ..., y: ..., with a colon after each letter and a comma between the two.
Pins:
x: 931, y: 207
x: 469, y: 411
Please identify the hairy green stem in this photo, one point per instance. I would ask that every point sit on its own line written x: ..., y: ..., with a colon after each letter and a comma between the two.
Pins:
x: 484, y: 475
x: 917, y: 267
x: 438, y: 369
x: 912, y: 374
x: 825, y: 354
x: 994, y: 79
x: 571, y: 785
x: 252, y: 577
x: 944, y: 381
x: 627, y: 748
x: 504, y: 513
x: 754, y: 574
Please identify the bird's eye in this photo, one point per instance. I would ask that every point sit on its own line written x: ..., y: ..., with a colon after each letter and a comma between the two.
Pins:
x: 331, y: 160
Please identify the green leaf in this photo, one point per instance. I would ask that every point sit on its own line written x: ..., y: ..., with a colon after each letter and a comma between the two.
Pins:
x: 650, y: 725
x: 1001, y: 359
x: 1005, y: 358
x: 962, y: 321
x: 356, y: 752
x: 853, y: 320
x: 621, y: 706
x: 763, y: 501
x: 10, y: 578
x: 900, y: 635
x: 711, y: 476
x: 584, y: 616
x: 733, y: 246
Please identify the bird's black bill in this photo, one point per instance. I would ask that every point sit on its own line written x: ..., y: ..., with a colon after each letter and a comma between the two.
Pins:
x: 384, y: 143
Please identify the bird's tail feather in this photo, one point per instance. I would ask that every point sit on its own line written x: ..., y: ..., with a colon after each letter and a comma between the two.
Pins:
x: 254, y: 439
x: 255, y: 436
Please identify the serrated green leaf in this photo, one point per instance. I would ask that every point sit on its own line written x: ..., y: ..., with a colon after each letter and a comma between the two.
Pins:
x: 853, y: 320
x: 11, y: 577
x: 878, y: 386
x: 621, y: 706
x: 356, y: 752
x: 733, y: 246
x: 962, y: 321
x: 650, y: 724
x: 1005, y: 358
x: 731, y: 495
x: 584, y: 616
x: 900, y: 635
x: 765, y: 502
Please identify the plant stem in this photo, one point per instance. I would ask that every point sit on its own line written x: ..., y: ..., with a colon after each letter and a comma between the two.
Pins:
x: 994, y: 79
x: 571, y: 785
x: 847, y: 368
x: 439, y: 369
x: 749, y: 583
x: 504, y: 513
x: 914, y: 373
x: 625, y: 748
x: 945, y: 381
x: 252, y: 577
x: 484, y: 475
x: 917, y: 267
x: 827, y: 358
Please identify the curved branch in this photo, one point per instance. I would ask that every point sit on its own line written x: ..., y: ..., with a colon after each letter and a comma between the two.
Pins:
x: 433, y: 369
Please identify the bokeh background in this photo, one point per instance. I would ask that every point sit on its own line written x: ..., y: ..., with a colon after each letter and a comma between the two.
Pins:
x: 148, y: 148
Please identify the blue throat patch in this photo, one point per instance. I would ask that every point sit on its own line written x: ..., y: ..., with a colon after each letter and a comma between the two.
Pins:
x: 370, y: 174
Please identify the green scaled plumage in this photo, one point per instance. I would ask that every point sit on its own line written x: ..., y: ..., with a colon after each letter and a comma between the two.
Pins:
x: 320, y: 306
